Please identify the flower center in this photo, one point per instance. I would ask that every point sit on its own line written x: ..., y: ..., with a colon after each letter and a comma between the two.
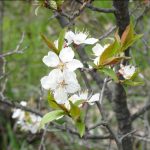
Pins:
x: 61, y: 66
x: 62, y: 84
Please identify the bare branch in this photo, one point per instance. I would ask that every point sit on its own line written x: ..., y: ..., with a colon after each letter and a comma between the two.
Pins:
x: 17, y: 49
x: 107, y: 33
x: 16, y: 105
x: 140, y: 112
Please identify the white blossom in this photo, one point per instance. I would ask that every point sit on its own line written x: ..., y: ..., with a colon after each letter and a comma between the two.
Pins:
x: 27, y: 121
x: 61, y: 83
x: 18, y: 113
x: 127, y: 71
x: 30, y: 123
x: 83, y: 96
x: 35, y: 123
x: 98, y: 50
x: 79, y: 38
x: 65, y: 60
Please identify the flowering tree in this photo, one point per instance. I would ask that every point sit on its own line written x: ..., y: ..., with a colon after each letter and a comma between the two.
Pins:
x: 62, y: 81
x: 110, y: 66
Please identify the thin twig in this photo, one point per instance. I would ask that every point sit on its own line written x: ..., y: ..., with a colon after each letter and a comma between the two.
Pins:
x: 140, y: 112
x: 17, y: 49
x: 127, y: 135
x: 102, y: 10
x: 17, y: 105
x: 42, y: 145
x: 107, y: 33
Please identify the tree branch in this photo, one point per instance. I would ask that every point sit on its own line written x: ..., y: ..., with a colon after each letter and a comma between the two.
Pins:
x: 102, y: 10
x: 140, y: 112
x: 119, y: 99
x: 16, y: 105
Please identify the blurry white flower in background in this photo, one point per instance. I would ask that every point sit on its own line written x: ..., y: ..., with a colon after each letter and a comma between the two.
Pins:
x: 64, y: 61
x: 61, y: 83
x: 127, y: 71
x: 18, y: 113
x: 26, y: 121
x: 79, y: 38
x: 98, y: 50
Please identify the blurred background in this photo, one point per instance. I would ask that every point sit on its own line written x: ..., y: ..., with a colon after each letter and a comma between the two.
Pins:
x: 24, y: 71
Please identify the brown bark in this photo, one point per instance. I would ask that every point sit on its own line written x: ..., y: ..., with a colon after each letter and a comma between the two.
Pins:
x: 119, y: 99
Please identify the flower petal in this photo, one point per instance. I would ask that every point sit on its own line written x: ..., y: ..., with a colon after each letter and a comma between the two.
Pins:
x: 94, y: 98
x: 67, y: 105
x: 74, y: 64
x: 56, y: 75
x: 91, y: 41
x: 51, y: 60
x: 56, y: 43
x: 16, y: 113
x: 66, y: 54
x: 73, y: 87
x: 79, y: 38
x: 34, y: 128
x: 69, y: 76
x: 23, y: 103
x: 74, y: 98
x: 127, y: 71
x: 60, y: 95
x: 84, y: 95
x: 69, y: 36
x: 51, y: 81
x: 98, y: 49
x: 96, y: 61
x: 71, y: 81
x: 45, y: 82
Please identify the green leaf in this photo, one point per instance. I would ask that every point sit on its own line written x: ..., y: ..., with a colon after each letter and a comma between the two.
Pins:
x: 36, y: 10
x: 61, y: 39
x: 113, y: 60
x: 110, y: 72
x: 81, y: 128
x: 53, y: 115
x: 110, y: 51
x: 131, y: 42
x: 133, y: 83
x: 74, y: 111
x: 49, y: 44
x: 129, y: 37
x: 78, y: 102
x: 60, y: 121
x: 51, y: 101
x: 59, y: 2
x: 135, y: 75
x: 53, y: 104
x: 128, y: 34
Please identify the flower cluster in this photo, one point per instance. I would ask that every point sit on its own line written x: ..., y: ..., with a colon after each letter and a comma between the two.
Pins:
x: 62, y: 80
x: 27, y: 121
x: 65, y: 95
